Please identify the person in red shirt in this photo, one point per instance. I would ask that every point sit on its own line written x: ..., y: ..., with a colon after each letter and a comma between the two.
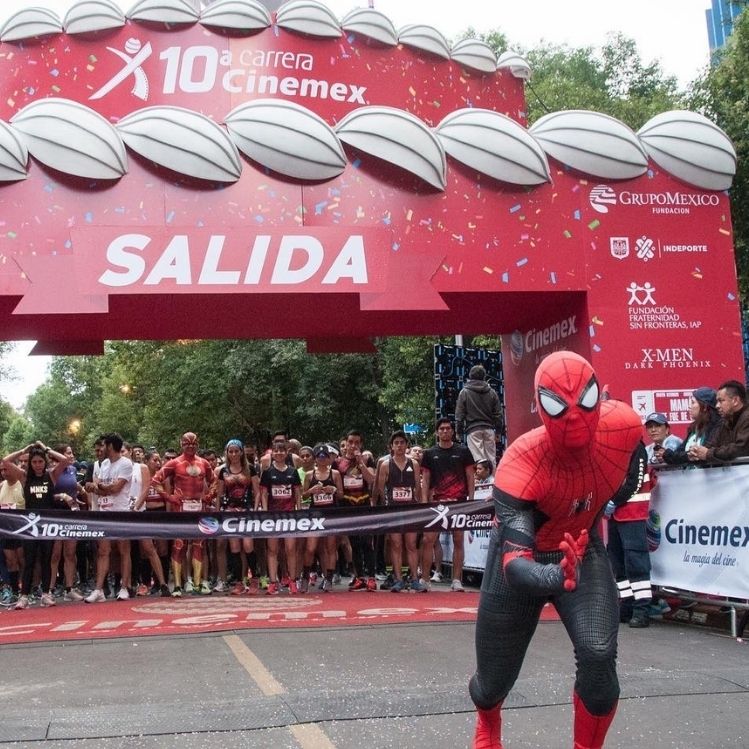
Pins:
x: 550, y: 490
x: 186, y: 483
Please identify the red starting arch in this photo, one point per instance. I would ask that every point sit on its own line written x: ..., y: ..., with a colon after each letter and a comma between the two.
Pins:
x: 176, y: 174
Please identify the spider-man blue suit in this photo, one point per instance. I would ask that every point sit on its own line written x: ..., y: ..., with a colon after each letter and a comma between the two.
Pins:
x: 550, y: 490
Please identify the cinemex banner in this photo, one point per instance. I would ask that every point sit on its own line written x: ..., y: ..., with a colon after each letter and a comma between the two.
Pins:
x: 698, y: 530
x: 64, y: 525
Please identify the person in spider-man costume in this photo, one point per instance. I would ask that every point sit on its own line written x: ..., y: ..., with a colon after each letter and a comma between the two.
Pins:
x: 550, y: 490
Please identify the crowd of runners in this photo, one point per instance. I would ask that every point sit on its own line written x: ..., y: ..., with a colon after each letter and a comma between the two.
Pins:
x: 288, y: 476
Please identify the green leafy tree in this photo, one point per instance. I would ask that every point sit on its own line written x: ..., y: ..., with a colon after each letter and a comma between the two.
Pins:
x: 723, y: 96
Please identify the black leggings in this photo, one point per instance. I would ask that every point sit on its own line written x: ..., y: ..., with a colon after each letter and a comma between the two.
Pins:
x: 33, y: 550
x: 507, y: 620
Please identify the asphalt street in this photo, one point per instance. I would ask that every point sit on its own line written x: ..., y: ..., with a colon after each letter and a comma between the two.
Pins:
x: 398, y: 686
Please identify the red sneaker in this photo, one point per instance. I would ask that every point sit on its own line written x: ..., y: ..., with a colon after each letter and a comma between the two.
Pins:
x: 488, y: 733
x: 293, y: 590
x: 358, y: 584
x: 272, y: 589
x: 238, y: 589
x: 371, y: 585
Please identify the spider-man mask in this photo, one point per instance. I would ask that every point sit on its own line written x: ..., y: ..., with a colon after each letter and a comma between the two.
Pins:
x: 567, y: 397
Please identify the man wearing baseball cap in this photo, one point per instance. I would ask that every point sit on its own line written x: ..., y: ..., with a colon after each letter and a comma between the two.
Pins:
x: 659, y: 431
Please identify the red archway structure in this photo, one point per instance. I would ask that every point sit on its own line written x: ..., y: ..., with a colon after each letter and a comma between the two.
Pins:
x: 332, y: 180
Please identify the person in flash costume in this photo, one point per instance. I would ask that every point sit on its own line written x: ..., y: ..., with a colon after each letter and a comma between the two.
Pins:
x: 549, y: 492
x: 187, y: 483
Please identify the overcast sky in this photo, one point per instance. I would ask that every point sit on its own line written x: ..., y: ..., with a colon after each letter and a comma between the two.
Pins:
x: 652, y: 24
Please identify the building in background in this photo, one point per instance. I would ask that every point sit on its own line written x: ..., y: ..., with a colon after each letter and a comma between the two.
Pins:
x: 720, y: 17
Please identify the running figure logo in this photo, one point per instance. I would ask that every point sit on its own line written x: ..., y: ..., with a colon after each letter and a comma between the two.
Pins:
x: 441, y: 512
x: 31, y: 526
x: 134, y: 56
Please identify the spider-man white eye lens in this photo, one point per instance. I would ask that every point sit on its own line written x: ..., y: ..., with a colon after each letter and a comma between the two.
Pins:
x: 589, y: 398
x: 551, y: 402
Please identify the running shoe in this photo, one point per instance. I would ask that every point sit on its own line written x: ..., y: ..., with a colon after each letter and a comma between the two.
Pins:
x: 457, y: 587
x: 6, y: 596
x: 336, y: 579
x: 419, y: 586
x: 436, y: 577
x: 293, y: 588
x: 380, y: 576
x: 238, y: 589
x: 358, y: 583
x: 141, y: 590
x: 155, y: 590
x: 264, y: 582
x: 48, y: 600
x: 388, y: 582
x: 72, y: 595
x: 396, y: 587
x: 220, y: 587
x: 22, y: 603
x: 254, y: 587
x: 285, y: 581
x: 123, y: 594
x: 313, y: 578
x: 272, y: 589
x: 95, y: 596
x: 189, y: 586
x: 327, y: 586
x: 164, y: 591
x: 177, y: 592
x: 304, y: 584
x: 205, y: 588
x: 371, y: 585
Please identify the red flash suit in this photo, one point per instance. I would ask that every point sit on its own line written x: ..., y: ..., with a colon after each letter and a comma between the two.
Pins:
x: 550, y: 490
x: 191, y: 479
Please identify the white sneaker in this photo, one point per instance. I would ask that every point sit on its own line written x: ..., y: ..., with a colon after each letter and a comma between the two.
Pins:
x: 220, y: 587
x: 189, y: 586
x: 436, y: 577
x: 95, y: 596
x: 457, y: 587
x: 205, y: 588
x: 72, y: 595
x: 48, y: 600
x: 123, y: 595
x: 22, y: 603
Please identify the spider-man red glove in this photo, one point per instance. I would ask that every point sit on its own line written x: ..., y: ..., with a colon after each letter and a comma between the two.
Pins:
x: 574, y: 551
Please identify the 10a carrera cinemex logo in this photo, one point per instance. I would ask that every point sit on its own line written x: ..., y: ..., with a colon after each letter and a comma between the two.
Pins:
x: 37, y: 528
x: 459, y: 521
x: 604, y: 198
x: 201, y: 69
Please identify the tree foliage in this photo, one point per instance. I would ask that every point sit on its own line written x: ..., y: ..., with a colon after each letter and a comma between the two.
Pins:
x: 723, y: 96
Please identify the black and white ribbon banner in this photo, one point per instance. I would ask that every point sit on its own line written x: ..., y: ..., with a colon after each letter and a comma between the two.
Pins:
x: 65, y: 525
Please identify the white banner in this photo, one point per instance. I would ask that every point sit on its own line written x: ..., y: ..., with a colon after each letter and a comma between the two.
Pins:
x: 475, y: 541
x: 698, y: 530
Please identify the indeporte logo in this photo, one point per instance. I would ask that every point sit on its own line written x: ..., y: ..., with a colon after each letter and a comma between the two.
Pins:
x: 601, y: 197
x: 134, y: 56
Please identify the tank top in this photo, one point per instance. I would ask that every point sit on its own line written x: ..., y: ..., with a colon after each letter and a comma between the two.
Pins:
x: 237, y: 488
x: 322, y: 500
x: 401, y: 483
x: 38, y: 492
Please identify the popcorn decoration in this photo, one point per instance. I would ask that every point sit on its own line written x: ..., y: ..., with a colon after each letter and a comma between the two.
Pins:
x: 516, y: 64
x: 495, y: 145
x: 287, y: 138
x: 164, y: 11
x: 13, y: 155
x: 592, y: 143
x: 690, y: 147
x: 308, y: 17
x: 426, y: 39
x: 184, y: 141
x: 372, y: 24
x: 399, y: 138
x: 239, y: 15
x: 71, y: 138
x: 30, y: 24
x: 93, y: 15
x: 476, y: 55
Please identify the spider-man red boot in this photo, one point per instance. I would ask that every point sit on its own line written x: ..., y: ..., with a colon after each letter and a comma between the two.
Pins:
x: 590, y: 730
x: 488, y: 733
